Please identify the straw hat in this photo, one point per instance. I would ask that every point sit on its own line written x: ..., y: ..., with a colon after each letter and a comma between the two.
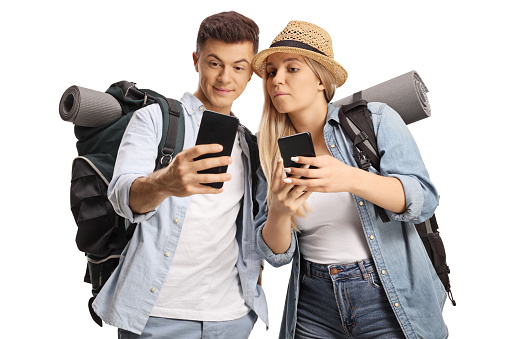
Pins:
x: 306, y: 39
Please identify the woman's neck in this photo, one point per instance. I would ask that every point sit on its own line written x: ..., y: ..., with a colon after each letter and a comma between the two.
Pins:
x: 312, y: 120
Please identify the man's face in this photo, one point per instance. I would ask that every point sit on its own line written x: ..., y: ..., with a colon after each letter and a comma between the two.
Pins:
x: 224, y: 71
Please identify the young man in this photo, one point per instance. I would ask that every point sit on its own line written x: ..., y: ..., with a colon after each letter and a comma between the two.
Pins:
x: 190, y: 269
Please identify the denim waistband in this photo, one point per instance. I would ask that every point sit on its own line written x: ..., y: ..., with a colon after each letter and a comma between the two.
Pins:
x: 339, y: 271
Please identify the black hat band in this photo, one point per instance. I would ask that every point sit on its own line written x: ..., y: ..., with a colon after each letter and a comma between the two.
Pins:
x: 297, y: 44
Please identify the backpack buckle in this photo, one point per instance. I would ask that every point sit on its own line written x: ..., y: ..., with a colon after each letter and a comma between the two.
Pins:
x: 363, y: 161
x: 166, y: 158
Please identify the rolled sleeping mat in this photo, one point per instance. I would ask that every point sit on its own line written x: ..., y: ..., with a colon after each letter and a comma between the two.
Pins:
x: 88, y: 108
x: 406, y: 94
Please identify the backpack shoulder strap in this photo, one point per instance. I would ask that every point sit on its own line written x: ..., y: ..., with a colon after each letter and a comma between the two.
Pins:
x: 254, y: 160
x: 356, y: 121
x: 172, y: 140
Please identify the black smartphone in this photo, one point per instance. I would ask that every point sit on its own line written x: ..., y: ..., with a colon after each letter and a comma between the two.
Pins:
x: 217, y: 128
x: 295, y: 145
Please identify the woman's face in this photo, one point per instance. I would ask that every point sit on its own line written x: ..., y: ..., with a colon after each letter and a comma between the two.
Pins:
x: 291, y: 83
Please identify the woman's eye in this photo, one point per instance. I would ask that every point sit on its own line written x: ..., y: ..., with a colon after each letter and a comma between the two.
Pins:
x: 293, y: 69
x: 271, y: 73
x: 238, y: 68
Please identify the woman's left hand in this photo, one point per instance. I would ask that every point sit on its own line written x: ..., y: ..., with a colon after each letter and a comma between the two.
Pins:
x: 330, y: 174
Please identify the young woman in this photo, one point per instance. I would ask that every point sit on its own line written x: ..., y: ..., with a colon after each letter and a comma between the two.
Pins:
x: 353, y: 276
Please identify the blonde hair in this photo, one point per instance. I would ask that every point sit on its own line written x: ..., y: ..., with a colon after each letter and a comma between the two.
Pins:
x: 274, y: 125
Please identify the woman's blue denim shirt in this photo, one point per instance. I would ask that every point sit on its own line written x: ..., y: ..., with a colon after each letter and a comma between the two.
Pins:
x: 414, y: 290
x: 127, y: 298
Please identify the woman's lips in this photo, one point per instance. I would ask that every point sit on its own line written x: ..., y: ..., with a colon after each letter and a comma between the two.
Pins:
x: 279, y: 93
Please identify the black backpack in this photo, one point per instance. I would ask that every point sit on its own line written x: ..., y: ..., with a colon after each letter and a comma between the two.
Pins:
x: 356, y: 121
x: 101, y: 233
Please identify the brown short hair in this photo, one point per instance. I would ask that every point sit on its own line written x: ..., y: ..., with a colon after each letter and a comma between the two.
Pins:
x: 230, y: 27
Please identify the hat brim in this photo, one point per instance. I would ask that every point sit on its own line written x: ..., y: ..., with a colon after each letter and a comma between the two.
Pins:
x: 338, y: 72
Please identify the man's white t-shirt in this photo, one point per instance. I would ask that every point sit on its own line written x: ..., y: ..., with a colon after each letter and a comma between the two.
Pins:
x: 203, y: 282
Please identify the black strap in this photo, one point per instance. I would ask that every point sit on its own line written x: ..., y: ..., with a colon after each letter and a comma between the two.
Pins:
x: 168, y: 149
x: 254, y: 160
x: 357, y: 124
x: 94, y: 315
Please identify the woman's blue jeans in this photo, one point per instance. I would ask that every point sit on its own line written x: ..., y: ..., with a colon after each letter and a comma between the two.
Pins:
x: 344, y: 301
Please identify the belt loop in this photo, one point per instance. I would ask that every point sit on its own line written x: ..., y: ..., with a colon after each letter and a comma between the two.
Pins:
x: 305, y: 266
x: 365, y: 274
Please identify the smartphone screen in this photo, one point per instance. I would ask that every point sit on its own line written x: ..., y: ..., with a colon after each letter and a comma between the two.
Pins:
x: 217, y: 128
x: 295, y: 145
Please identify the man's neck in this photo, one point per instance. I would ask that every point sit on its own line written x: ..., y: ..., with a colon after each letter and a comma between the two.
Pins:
x: 208, y: 105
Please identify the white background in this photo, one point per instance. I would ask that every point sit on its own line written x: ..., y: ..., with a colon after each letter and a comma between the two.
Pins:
x: 458, y: 48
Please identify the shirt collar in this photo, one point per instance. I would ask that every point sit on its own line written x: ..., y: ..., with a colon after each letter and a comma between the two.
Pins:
x: 332, y: 113
x: 192, y: 103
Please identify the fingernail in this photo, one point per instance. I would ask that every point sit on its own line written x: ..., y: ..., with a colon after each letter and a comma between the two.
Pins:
x: 288, y: 181
x: 294, y: 159
x: 280, y: 159
x: 220, y: 147
x: 287, y: 170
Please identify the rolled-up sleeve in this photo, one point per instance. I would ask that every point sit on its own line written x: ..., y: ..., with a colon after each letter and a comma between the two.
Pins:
x: 136, y: 158
x: 400, y: 158
x: 263, y: 250
x: 275, y: 260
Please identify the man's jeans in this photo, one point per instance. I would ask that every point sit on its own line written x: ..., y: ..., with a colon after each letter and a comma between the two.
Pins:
x: 344, y: 301
x: 189, y: 329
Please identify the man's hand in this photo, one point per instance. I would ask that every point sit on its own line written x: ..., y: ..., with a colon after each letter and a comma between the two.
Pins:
x: 179, y: 179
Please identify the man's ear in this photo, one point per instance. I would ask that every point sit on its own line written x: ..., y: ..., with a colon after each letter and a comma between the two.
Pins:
x: 195, y: 61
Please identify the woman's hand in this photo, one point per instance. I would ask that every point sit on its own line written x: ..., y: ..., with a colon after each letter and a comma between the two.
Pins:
x: 287, y: 199
x: 332, y: 175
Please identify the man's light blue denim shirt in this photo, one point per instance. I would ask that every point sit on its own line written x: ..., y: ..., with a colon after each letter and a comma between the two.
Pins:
x: 127, y: 298
x: 414, y: 290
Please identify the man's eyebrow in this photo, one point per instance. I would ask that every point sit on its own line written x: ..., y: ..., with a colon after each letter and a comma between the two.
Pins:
x: 241, y: 60
x: 235, y: 62
x: 214, y: 56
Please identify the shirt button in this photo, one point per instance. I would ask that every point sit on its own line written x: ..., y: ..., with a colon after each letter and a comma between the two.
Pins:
x: 166, y: 254
x: 153, y: 289
x: 396, y: 304
x: 176, y: 220
x: 332, y: 146
x: 361, y: 203
x: 371, y: 237
x: 201, y: 108
x: 383, y: 272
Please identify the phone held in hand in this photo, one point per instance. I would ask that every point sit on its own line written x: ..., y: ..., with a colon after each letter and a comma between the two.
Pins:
x: 217, y: 128
x: 295, y: 145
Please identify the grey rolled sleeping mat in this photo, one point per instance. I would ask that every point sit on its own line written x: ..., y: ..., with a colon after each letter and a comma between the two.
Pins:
x: 88, y: 108
x: 406, y: 94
